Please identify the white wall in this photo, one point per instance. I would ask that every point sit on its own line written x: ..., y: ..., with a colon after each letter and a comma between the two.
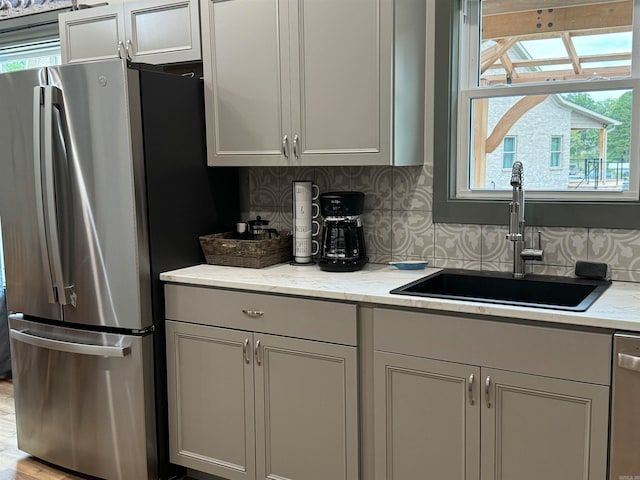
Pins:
x: 533, y: 137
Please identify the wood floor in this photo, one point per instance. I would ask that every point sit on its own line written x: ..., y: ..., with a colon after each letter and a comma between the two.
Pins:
x: 15, y: 464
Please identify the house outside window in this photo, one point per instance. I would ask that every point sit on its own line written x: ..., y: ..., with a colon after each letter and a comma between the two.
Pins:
x: 508, y: 151
x: 555, y: 159
x: 577, y: 82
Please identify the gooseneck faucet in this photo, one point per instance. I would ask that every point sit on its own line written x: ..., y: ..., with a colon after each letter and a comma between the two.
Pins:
x: 516, y: 224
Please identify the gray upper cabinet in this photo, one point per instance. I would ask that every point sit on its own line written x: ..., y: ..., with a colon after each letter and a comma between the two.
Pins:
x: 150, y: 31
x: 301, y: 82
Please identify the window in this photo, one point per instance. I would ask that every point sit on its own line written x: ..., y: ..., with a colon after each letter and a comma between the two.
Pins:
x: 569, y: 73
x: 454, y: 101
x: 508, y: 152
x: 556, y: 152
x: 30, y: 55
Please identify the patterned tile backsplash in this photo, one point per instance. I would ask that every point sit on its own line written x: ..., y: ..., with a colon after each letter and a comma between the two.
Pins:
x: 398, y: 223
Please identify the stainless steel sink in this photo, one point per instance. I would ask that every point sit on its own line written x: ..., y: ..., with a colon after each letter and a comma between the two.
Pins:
x: 541, y: 291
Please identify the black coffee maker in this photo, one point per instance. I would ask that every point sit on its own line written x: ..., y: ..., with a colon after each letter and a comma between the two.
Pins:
x: 342, y: 248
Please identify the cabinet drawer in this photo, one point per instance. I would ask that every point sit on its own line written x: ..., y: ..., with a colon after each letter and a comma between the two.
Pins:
x: 554, y: 352
x: 289, y: 316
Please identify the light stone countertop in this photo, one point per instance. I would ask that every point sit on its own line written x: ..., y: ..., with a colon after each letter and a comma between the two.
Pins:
x: 618, y: 308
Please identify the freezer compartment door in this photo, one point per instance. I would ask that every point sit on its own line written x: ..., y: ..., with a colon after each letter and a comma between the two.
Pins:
x: 29, y: 275
x: 84, y: 400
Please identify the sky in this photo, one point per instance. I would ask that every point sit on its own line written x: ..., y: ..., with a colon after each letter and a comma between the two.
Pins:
x: 584, y: 45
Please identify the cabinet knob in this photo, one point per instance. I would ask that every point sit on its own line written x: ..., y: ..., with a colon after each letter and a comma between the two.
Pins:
x: 253, y: 313
x: 285, y: 146
x: 471, y: 380
x: 120, y: 48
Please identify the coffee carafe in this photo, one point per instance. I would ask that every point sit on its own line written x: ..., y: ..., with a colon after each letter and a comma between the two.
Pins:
x: 342, y: 248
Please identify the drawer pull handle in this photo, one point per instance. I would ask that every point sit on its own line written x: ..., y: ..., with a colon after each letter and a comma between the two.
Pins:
x: 471, y: 380
x: 487, y: 395
x: 253, y: 313
x: 245, y: 351
x: 257, y: 353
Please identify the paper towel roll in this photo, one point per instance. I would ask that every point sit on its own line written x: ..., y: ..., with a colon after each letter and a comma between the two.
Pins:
x: 304, y: 191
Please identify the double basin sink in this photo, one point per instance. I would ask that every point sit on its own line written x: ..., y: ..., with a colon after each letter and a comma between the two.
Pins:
x: 541, y: 291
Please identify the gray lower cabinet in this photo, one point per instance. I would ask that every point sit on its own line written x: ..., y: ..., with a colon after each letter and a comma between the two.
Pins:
x: 464, y: 420
x: 424, y: 421
x: 248, y: 404
x: 211, y: 403
x: 536, y: 427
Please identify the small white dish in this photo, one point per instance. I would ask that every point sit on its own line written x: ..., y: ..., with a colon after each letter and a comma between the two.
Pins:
x: 410, y: 265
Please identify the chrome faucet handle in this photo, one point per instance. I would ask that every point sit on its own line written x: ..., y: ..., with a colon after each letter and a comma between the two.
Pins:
x: 534, y: 253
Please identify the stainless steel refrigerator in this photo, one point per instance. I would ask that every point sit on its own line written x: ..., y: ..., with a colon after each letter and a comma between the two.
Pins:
x: 103, y: 185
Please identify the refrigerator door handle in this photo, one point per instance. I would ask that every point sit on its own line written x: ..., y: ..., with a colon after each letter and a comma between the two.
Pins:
x: 38, y: 101
x: 51, y: 96
x: 70, y: 347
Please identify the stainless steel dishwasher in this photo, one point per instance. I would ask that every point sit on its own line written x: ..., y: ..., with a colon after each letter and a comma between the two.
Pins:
x: 625, y: 413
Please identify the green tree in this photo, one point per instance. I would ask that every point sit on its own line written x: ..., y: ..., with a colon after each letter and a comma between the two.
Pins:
x: 584, y: 100
x: 15, y: 65
x: 584, y: 143
x: 619, y: 139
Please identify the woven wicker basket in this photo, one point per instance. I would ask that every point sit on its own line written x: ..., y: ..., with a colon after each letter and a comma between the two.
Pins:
x: 223, y: 249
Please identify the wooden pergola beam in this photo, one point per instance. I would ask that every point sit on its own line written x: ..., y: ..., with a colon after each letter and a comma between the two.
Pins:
x: 581, y: 33
x: 480, y: 119
x: 568, y: 19
x: 509, y: 119
x: 505, y: 61
x: 529, y: 77
x: 606, y: 57
x: 496, y: 7
x: 571, y: 51
x: 496, y: 52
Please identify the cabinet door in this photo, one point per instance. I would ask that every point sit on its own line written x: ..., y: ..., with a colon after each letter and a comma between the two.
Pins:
x: 427, y: 419
x: 537, y: 427
x: 246, y: 69
x: 210, y: 384
x: 91, y: 34
x: 341, y: 81
x: 306, y: 410
x: 162, y: 31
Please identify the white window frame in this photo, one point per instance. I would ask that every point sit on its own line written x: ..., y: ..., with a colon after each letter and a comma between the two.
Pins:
x: 469, y: 91
x: 514, y: 152
x: 559, y: 152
